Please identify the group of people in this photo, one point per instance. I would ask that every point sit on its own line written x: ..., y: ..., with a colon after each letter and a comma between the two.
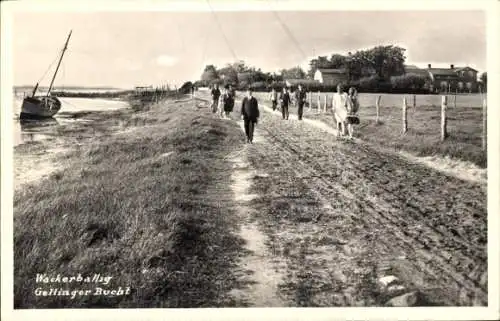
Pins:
x: 285, y: 100
x: 223, y: 102
x: 345, y: 107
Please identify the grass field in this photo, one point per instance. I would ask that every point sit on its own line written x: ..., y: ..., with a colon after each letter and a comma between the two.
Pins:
x: 132, y: 206
x: 423, y: 136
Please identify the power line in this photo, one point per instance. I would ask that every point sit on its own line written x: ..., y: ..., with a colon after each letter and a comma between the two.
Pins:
x: 287, y: 30
x: 222, y: 31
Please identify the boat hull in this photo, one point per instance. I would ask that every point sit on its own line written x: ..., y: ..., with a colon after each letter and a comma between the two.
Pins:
x: 40, y: 107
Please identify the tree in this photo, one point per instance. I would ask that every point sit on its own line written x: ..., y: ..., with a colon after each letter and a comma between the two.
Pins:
x: 293, y: 73
x: 338, y: 61
x: 386, y: 60
x: 408, y: 82
x: 228, y: 74
x: 210, y: 74
x: 484, y: 80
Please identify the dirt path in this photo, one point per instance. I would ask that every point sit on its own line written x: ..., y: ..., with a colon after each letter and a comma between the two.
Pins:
x: 343, y: 215
x: 264, y: 276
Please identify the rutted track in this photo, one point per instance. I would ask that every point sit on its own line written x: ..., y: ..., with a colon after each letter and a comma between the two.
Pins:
x: 439, y: 222
x: 421, y: 211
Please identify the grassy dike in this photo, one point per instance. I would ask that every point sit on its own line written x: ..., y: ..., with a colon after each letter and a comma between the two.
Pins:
x: 134, y: 205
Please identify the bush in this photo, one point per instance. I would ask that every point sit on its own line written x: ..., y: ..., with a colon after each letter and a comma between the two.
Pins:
x: 260, y: 86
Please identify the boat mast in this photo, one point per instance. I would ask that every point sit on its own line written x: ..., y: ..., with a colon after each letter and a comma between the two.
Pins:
x: 60, y: 59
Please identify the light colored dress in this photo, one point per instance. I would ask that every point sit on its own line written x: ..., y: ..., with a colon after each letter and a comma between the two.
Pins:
x: 220, y: 105
x: 340, y: 107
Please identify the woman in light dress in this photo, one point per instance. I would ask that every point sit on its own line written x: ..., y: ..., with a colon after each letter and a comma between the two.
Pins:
x: 345, y: 108
x: 220, y: 104
x: 339, y: 108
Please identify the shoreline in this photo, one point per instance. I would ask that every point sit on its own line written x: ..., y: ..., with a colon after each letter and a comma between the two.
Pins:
x: 46, y: 156
x: 135, y: 202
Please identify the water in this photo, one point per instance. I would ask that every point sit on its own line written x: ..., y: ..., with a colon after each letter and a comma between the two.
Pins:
x: 25, y: 131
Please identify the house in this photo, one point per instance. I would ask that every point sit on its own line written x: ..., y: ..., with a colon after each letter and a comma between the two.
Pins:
x: 443, y: 79
x: 467, y: 78
x: 331, y: 76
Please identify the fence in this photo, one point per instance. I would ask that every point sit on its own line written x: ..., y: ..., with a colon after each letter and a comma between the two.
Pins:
x: 413, y: 109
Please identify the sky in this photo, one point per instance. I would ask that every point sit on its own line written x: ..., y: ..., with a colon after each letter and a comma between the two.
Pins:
x: 126, y: 49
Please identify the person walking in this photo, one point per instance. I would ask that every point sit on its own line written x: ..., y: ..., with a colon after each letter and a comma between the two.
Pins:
x: 220, y: 105
x: 300, y: 96
x: 228, y: 102
x: 352, y: 109
x: 250, y: 114
x: 339, y: 109
x: 215, y: 97
x: 273, y: 96
x: 285, y: 102
x: 232, y: 91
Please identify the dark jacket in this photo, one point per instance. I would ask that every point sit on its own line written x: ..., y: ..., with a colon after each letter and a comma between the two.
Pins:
x: 228, y: 102
x: 250, y: 108
x: 215, y: 93
x: 285, y: 99
x: 300, y: 95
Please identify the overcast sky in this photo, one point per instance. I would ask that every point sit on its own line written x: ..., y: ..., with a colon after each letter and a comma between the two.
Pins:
x: 125, y: 49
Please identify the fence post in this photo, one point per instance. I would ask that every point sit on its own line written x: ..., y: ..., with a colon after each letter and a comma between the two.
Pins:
x: 485, y: 124
x: 325, y: 102
x: 405, y: 116
x: 455, y: 100
x: 377, y: 105
x: 444, y: 103
x: 414, y: 101
x: 319, y: 99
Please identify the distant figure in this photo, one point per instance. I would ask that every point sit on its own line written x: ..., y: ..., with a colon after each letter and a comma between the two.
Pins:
x: 352, y: 102
x: 352, y: 109
x: 232, y: 91
x: 250, y: 114
x: 215, y: 97
x: 339, y: 108
x: 300, y: 96
x: 273, y: 96
x: 220, y: 105
x: 285, y: 102
x: 228, y: 102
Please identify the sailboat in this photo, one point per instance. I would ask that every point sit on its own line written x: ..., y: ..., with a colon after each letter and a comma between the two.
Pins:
x: 47, y: 105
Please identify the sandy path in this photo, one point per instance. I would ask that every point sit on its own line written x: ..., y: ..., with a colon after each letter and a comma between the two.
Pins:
x: 264, y: 277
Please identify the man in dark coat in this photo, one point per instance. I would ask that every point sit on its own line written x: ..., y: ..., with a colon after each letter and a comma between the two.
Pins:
x: 285, y: 102
x: 250, y: 114
x: 300, y: 96
x: 215, y: 97
x: 232, y: 91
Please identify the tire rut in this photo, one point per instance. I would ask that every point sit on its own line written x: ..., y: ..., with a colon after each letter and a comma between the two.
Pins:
x: 379, y: 190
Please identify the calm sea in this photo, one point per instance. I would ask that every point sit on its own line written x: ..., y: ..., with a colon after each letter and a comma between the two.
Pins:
x: 23, y: 133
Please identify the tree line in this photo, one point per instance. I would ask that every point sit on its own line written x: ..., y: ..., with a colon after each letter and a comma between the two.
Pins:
x: 378, y: 69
